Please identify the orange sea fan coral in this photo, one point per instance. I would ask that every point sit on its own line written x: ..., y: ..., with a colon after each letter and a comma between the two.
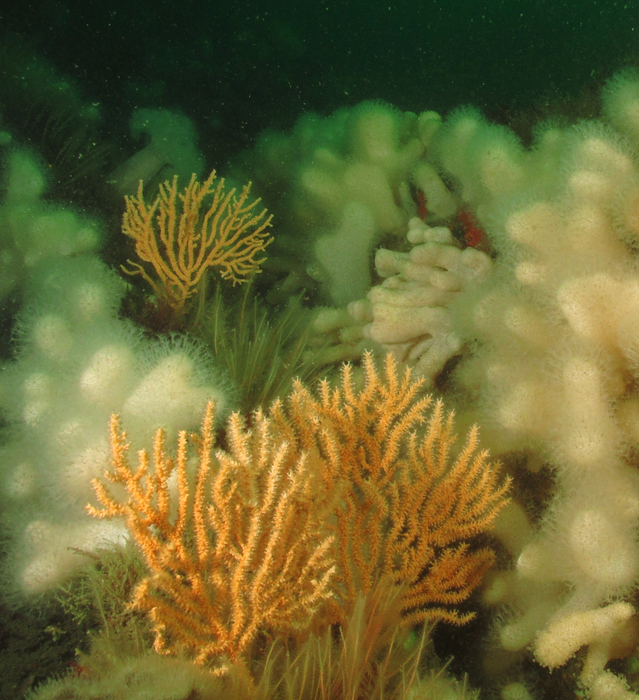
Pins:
x: 314, y: 505
x: 246, y: 550
x: 409, y: 506
x: 207, y: 227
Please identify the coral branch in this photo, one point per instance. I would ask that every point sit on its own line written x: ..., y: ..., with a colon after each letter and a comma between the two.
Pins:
x: 409, y: 506
x: 245, y: 552
x: 307, y: 511
x: 182, y: 241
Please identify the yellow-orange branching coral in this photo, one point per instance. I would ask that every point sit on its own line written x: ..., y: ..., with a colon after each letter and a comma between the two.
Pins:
x: 326, y: 497
x: 244, y: 552
x: 207, y: 227
x: 409, y: 507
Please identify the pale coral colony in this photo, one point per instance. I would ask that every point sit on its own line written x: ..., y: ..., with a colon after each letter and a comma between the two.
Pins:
x: 528, y: 326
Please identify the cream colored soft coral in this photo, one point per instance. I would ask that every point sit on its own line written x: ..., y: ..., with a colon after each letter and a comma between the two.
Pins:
x: 554, y: 370
x: 32, y: 230
x: 408, y: 313
x: 78, y: 362
x: 338, y: 185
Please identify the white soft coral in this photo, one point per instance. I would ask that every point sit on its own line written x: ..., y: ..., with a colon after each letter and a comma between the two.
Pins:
x: 409, y: 313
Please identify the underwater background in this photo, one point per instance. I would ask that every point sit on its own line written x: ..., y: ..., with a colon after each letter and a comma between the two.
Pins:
x: 236, y: 69
x: 239, y: 67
